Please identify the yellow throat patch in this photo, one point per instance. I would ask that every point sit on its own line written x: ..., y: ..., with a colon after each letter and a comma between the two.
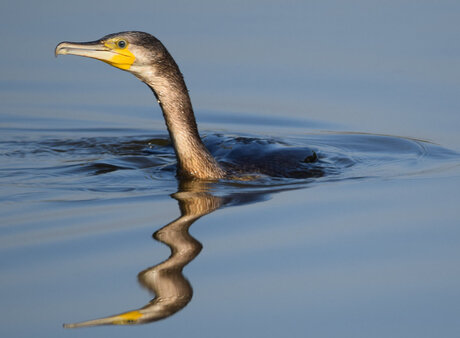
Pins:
x: 122, y: 57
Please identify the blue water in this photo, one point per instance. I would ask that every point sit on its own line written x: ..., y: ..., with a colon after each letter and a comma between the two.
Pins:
x: 366, y: 247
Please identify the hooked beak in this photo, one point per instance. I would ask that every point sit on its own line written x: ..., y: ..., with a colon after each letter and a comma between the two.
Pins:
x: 93, y: 49
x: 100, y: 50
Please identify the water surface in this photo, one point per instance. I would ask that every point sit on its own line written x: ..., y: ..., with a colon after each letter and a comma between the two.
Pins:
x: 366, y: 246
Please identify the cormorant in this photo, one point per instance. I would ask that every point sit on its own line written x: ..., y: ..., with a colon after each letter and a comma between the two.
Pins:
x: 145, y: 56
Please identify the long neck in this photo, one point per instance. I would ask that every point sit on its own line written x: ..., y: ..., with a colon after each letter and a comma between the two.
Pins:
x: 193, y: 159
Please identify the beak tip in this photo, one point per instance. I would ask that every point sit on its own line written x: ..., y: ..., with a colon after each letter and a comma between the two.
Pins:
x: 58, y: 50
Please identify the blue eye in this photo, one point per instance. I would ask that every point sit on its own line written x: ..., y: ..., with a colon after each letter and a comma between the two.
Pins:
x: 121, y: 44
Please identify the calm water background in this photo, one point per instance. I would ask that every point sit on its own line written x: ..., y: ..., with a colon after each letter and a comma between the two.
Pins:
x: 373, y: 256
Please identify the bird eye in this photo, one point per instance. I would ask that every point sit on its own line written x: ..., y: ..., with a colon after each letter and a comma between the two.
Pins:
x: 121, y: 44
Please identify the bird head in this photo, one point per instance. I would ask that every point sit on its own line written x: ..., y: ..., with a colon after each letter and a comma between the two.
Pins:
x: 136, y: 52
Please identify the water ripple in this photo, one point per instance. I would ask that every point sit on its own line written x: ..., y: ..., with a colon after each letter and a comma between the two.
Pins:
x: 132, y: 163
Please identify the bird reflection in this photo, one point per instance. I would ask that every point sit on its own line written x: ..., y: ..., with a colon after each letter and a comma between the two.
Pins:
x: 172, y: 290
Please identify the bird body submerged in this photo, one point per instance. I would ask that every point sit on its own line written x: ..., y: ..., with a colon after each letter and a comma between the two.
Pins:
x: 146, y: 57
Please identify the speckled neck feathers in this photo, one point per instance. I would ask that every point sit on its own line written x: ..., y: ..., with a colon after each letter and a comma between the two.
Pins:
x: 166, y: 81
